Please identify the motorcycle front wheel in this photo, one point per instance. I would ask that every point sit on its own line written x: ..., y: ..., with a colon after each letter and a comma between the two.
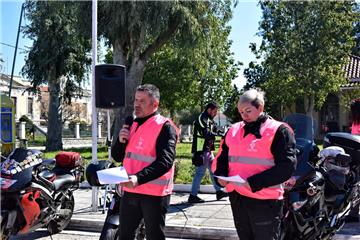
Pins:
x: 109, y: 232
x: 63, y: 216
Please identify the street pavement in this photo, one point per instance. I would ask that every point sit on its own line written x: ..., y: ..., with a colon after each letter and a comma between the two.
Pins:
x: 209, y: 220
x: 43, y: 234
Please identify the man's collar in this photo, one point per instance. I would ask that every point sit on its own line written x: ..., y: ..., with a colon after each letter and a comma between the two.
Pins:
x: 142, y: 120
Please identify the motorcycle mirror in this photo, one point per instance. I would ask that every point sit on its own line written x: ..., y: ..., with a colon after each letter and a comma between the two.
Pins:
x: 298, y: 151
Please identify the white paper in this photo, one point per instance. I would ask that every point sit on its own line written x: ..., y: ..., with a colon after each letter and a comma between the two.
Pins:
x: 235, y: 178
x: 113, y: 175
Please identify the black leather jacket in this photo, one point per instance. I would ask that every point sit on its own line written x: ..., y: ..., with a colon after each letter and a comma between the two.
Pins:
x: 204, y: 133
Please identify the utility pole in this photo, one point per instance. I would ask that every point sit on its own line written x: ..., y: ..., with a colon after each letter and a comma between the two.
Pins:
x: 16, y: 47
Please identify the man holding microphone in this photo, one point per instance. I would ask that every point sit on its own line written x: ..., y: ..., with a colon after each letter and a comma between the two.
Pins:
x: 147, y: 150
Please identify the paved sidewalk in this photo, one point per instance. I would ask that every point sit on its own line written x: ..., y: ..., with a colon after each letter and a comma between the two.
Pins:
x: 209, y: 220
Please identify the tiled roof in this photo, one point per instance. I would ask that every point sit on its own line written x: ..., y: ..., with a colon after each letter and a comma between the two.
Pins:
x: 352, y: 72
x: 353, y: 69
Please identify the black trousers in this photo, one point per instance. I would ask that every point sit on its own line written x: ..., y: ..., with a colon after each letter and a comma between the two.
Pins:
x: 256, y: 219
x: 134, y: 207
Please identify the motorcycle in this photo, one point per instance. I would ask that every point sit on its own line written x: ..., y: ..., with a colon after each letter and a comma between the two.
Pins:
x: 37, y: 193
x: 324, y: 185
x: 110, y: 229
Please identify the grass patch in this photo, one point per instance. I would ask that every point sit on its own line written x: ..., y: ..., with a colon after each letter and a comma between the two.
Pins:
x: 86, y: 153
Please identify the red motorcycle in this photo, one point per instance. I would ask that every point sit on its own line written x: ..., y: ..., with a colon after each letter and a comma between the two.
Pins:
x: 37, y: 193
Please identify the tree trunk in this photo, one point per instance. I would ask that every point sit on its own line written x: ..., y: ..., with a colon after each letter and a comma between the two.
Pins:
x: 134, y: 76
x: 309, y: 103
x: 54, y: 134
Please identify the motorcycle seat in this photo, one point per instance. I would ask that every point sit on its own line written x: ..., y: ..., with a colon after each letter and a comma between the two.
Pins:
x: 63, y: 181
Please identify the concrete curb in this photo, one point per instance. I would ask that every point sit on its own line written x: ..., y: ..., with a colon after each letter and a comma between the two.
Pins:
x: 183, y: 231
x: 184, y: 188
x: 82, y: 224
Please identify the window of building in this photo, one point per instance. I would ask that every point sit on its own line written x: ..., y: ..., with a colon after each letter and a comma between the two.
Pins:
x: 30, y: 107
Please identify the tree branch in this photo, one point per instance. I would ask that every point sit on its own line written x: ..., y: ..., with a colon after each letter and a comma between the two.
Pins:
x: 162, y: 38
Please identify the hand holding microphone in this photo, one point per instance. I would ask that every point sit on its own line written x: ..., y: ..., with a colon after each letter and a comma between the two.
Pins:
x: 125, y: 131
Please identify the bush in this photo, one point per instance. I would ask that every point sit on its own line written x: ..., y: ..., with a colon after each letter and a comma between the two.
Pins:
x: 29, y: 127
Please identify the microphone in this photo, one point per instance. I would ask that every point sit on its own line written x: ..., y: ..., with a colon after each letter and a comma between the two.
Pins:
x: 127, y: 124
x: 128, y: 121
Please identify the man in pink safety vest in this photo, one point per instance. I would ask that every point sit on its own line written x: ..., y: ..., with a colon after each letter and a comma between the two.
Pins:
x: 261, y: 151
x: 147, y: 149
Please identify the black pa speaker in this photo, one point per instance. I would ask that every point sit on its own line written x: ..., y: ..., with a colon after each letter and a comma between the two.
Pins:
x: 109, y: 86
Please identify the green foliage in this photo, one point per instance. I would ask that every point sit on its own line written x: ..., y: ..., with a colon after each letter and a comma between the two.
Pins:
x: 136, y: 30
x: 256, y: 75
x: 189, y: 76
x: 86, y: 153
x: 29, y: 127
x: 58, y: 49
x: 356, y: 49
x: 347, y: 96
x: 58, y: 57
x: 39, y: 140
x: 305, y: 46
x: 187, y: 117
x: 231, y: 110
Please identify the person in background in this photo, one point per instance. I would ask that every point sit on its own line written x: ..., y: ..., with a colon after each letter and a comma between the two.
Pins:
x: 261, y: 151
x: 147, y: 150
x: 355, y: 129
x: 202, y: 145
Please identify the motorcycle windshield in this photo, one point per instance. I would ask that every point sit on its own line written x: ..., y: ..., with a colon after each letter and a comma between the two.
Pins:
x: 304, y: 130
x: 303, y: 125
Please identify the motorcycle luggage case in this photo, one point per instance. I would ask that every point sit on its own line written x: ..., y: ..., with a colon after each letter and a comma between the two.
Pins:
x: 349, y: 142
x: 68, y: 159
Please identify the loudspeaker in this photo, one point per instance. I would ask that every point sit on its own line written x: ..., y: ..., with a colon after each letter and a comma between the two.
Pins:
x: 109, y: 86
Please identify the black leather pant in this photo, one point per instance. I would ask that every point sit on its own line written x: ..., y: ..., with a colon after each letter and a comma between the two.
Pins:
x: 256, y: 219
x: 134, y: 207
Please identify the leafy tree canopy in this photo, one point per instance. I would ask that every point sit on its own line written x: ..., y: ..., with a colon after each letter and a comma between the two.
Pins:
x: 305, y: 46
x: 58, y: 57
x: 193, y: 75
x: 58, y: 50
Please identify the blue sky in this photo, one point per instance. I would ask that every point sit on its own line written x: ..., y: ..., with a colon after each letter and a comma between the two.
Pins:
x: 244, y: 24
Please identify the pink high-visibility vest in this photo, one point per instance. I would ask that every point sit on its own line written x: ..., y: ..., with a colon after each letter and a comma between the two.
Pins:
x: 249, y: 156
x: 141, y: 152
x: 355, y: 129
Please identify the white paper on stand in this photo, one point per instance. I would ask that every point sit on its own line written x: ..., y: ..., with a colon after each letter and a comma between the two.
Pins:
x: 235, y: 178
x: 113, y: 175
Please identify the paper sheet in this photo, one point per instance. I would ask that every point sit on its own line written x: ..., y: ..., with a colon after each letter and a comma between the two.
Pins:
x: 235, y: 178
x: 113, y: 175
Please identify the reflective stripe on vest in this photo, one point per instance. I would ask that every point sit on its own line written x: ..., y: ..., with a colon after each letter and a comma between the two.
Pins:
x: 249, y: 160
x: 249, y: 156
x: 161, y: 182
x: 141, y: 152
x: 139, y: 157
